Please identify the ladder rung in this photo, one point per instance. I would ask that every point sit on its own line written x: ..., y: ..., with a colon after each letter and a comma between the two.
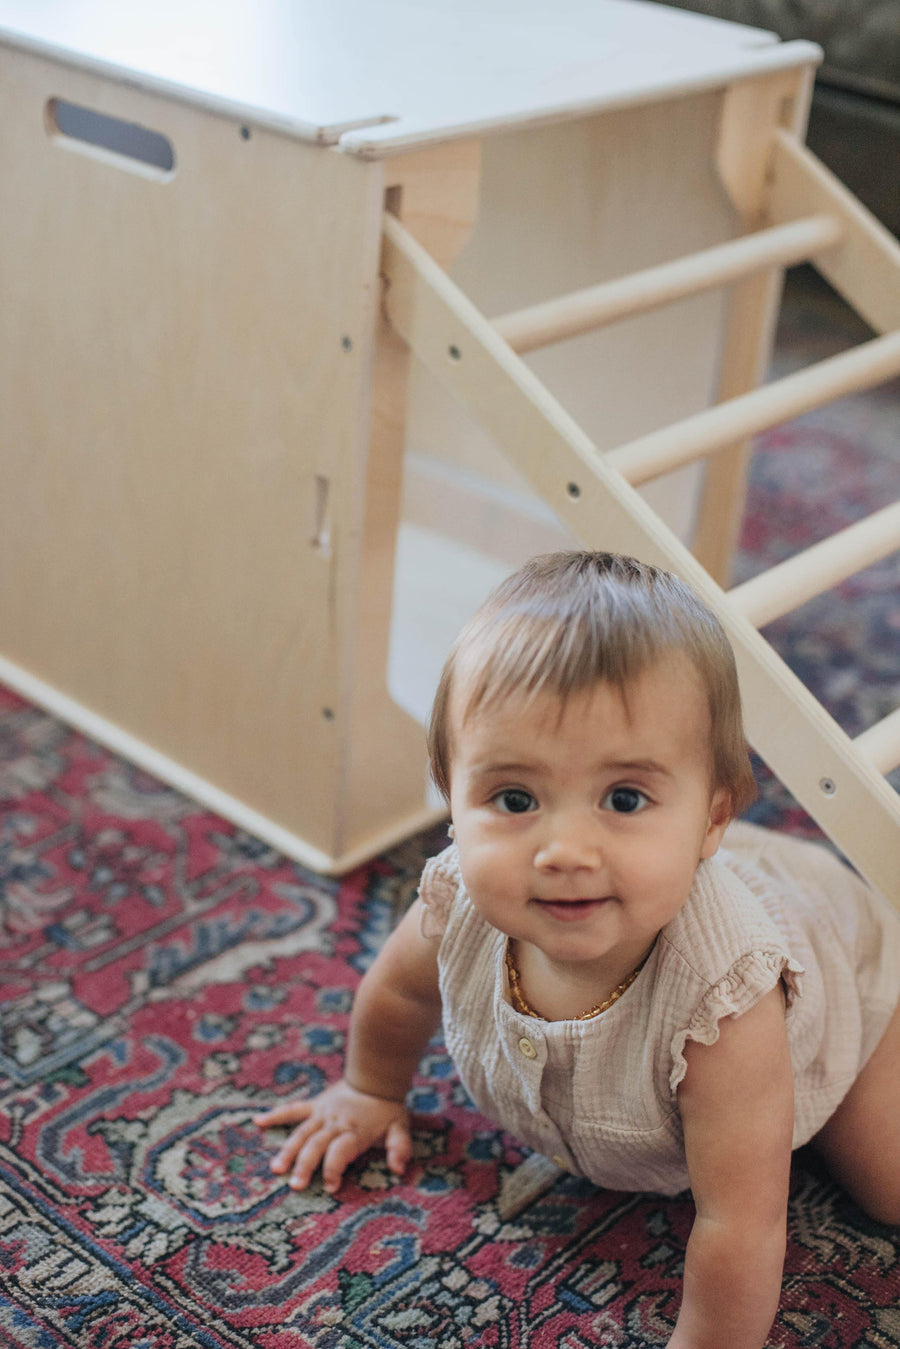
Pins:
x: 729, y: 423
x: 793, y: 582
x: 583, y: 310
x: 880, y: 744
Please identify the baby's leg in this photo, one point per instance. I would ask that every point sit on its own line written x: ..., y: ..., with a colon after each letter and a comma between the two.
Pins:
x: 861, y: 1141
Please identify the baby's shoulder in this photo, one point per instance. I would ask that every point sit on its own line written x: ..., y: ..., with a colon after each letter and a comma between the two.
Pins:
x: 719, y: 957
x: 440, y: 884
x: 723, y: 919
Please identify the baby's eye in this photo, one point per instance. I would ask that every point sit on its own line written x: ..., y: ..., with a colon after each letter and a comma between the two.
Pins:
x: 625, y: 800
x: 514, y: 801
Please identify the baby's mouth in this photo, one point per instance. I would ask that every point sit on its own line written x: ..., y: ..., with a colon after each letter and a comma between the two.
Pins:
x: 570, y: 910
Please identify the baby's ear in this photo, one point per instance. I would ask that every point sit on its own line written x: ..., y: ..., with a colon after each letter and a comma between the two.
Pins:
x: 717, y: 822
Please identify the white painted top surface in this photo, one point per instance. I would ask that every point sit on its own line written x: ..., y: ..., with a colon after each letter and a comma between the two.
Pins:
x: 376, y: 76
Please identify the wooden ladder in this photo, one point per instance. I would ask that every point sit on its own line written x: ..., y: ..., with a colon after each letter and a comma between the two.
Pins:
x: 809, y: 216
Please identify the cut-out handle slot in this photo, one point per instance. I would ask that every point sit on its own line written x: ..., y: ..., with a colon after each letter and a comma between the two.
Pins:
x: 111, y: 139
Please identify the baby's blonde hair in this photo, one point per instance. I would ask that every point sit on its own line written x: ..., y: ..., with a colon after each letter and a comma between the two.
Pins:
x: 567, y: 621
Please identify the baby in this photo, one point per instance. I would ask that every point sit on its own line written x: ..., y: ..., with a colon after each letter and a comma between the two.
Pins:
x: 622, y: 995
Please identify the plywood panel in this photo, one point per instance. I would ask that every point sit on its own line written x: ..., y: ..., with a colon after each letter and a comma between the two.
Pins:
x: 183, y: 364
x: 574, y: 205
x: 411, y: 74
x: 385, y: 775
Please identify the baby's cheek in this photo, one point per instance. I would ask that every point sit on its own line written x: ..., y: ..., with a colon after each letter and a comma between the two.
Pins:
x: 667, y: 888
x: 484, y: 878
x: 476, y: 875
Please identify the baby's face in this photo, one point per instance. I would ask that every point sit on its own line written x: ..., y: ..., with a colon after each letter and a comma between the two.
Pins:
x: 580, y: 826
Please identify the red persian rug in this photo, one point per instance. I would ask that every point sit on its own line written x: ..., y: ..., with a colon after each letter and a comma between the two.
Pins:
x: 164, y: 976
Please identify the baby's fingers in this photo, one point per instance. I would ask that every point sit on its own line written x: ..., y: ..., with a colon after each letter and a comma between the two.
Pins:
x: 289, y: 1113
x: 292, y: 1146
x: 312, y: 1153
x: 341, y: 1152
x: 398, y: 1147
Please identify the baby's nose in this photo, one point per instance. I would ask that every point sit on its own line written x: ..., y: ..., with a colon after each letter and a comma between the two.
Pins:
x: 569, y: 849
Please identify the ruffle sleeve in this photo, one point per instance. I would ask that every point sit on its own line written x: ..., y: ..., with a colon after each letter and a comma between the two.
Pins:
x: 748, y: 980
x: 437, y: 890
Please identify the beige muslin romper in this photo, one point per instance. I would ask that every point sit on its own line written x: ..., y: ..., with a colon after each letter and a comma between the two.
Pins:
x: 599, y: 1097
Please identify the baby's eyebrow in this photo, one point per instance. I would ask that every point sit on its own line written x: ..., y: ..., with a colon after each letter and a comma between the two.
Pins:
x: 646, y: 766
x: 490, y: 767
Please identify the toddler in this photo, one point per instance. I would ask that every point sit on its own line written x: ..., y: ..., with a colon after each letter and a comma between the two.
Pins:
x: 646, y: 1007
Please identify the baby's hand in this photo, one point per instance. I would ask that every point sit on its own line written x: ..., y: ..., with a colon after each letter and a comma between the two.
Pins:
x: 334, y: 1128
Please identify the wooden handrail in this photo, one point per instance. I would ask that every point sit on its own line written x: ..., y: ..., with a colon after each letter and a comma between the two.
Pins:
x: 880, y: 744
x: 862, y: 367
x: 791, y: 583
x: 584, y: 310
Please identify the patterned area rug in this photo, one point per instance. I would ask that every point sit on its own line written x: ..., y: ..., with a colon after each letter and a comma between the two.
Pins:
x: 164, y: 976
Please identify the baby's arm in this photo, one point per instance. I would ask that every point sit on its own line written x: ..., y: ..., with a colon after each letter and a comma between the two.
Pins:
x: 396, y: 1010
x: 737, y: 1106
